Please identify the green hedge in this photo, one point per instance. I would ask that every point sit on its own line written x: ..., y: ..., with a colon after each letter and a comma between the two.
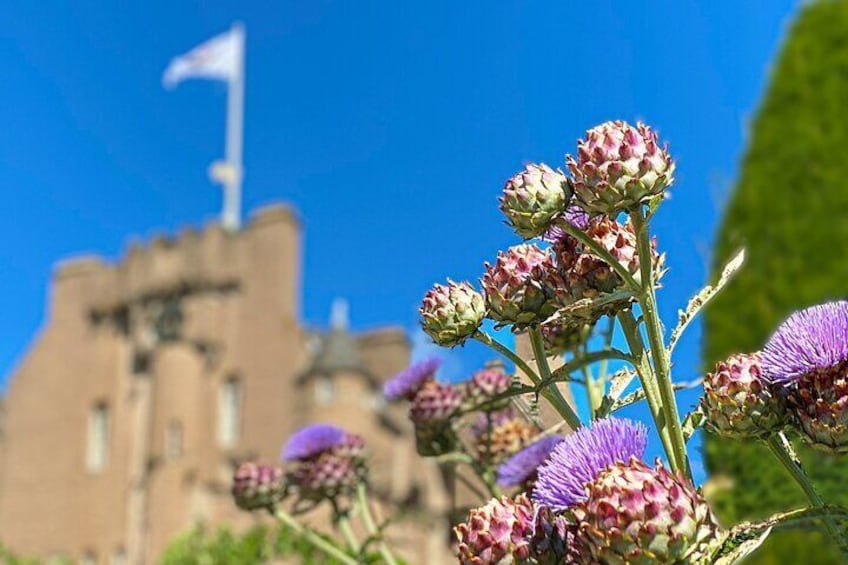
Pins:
x: 257, y: 546
x: 790, y: 211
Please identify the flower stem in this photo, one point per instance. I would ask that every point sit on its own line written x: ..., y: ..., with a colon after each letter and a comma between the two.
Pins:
x: 551, y: 392
x: 492, y: 343
x: 594, y: 392
x: 313, y: 538
x: 653, y: 327
x: 343, y: 524
x: 603, y: 366
x: 630, y: 329
x: 368, y: 519
x: 782, y: 450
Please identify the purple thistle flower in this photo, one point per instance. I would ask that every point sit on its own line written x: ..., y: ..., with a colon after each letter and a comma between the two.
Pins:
x: 311, y: 440
x: 812, y: 339
x: 575, y: 216
x: 581, y: 456
x: 408, y: 381
x: 522, y: 466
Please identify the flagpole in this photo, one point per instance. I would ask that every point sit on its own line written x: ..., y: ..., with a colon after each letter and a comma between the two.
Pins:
x: 231, y: 213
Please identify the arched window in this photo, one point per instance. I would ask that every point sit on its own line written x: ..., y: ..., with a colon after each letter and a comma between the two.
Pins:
x: 97, y: 452
x: 229, y: 412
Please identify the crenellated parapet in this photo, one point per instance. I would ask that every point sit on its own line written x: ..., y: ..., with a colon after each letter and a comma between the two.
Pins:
x: 193, y: 261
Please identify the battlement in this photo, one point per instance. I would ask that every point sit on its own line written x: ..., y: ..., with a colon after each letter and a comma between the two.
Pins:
x: 192, y: 260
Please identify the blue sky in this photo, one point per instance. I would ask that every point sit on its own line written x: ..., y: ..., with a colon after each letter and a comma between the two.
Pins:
x: 389, y: 126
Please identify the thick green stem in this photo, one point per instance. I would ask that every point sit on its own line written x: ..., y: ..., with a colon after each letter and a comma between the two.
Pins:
x: 653, y: 327
x: 313, y: 538
x: 782, y: 450
x: 491, y: 342
x: 593, y: 393
x: 586, y: 359
x: 371, y: 526
x: 630, y: 329
x: 551, y: 392
x: 603, y: 365
x: 343, y: 524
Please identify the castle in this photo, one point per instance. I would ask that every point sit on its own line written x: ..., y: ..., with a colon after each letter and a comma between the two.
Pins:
x: 152, y: 378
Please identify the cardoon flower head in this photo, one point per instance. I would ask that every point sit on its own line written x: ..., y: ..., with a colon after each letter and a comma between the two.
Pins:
x: 432, y: 410
x: 521, y: 468
x: 565, y: 247
x: 520, y: 285
x: 406, y: 383
x: 485, y: 420
x: 502, y: 433
x: 434, y: 402
x: 582, y: 455
x: 533, y: 197
x: 632, y: 513
x: 498, y: 533
x: 590, y: 280
x: 814, y: 339
x: 312, y: 440
x: 561, y: 334
x: 739, y: 403
x: 451, y: 313
x: 557, y: 541
x: 487, y: 383
x: 808, y: 354
x: 258, y: 486
x: 619, y: 166
x: 324, y: 463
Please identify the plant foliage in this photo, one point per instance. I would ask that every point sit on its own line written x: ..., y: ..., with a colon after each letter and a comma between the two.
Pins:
x: 789, y: 211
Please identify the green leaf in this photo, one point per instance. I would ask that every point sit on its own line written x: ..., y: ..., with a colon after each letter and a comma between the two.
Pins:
x: 697, y: 302
x: 739, y: 545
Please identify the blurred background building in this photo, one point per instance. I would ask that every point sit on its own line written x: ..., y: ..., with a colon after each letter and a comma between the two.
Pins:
x: 154, y: 377
x: 103, y: 414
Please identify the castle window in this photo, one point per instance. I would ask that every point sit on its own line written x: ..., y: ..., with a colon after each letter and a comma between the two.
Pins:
x: 229, y: 413
x: 141, y: 362
x: 324, y: 390
x: 97, y: 453
x: 174, y: 440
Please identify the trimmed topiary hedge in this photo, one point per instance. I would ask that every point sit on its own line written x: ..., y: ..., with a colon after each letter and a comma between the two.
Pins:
x: 790, y: 210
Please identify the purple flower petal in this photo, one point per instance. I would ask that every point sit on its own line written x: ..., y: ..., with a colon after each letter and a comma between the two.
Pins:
x: 575, y: 216
x: 410, y: 379
x: 581, y: 456
x: 312, y: 440
x: 523, y: 465
x: 811, y: 339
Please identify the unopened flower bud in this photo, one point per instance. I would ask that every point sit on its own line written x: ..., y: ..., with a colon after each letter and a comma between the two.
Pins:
x: 258, y: 486
x: 619, y: 166
x: 451, y: 313
x: 533, y: 197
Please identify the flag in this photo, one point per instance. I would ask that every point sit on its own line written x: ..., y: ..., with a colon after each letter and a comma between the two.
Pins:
x: 217, y: 59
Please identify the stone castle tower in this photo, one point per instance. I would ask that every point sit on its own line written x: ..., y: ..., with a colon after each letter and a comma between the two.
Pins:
x: 153, y: 377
